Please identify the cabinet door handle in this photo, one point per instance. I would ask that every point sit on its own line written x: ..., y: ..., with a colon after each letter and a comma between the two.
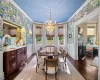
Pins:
x: 12, y: 52
x: 13, y: 64
x: 18, y: 53
x: 13, y: 56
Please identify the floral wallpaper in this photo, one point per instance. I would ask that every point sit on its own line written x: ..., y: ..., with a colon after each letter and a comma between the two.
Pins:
x: 70, y: 32
x: 10, y: 13
x: 1, y: 33
x: 92, y: 5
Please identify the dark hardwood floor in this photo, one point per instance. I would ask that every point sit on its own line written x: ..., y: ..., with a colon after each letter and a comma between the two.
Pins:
x: 85, y: 69
x: 83, y: 66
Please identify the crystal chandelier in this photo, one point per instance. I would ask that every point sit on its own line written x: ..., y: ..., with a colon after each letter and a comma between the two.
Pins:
x: 49, y: 24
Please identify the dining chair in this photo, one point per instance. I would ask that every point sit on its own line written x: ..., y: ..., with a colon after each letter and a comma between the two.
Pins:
x: 51, y: 66
x: 41, y: 48
x: 40, y: 61
x: 62, y: 59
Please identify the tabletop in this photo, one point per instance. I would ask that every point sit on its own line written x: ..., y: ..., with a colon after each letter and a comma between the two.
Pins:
x: 49, y: 51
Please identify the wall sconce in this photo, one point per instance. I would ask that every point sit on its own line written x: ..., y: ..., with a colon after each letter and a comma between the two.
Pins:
x: 30, y: 32
x: 23, y: 30
x: 70, y: 35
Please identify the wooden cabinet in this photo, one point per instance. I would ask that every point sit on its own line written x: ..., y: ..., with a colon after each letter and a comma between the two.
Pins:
x: 24, y: 57
x: 12, y: 60
x: 19, y: 57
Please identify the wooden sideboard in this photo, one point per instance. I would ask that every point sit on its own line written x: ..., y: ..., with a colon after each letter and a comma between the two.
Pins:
x: 13, y: 60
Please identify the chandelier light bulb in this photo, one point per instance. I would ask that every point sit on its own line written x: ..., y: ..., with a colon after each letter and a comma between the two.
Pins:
x: 49, y: 24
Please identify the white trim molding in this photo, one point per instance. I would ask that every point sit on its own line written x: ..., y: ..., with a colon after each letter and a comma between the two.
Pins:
x: 99, y: 48
x: 1, y: 66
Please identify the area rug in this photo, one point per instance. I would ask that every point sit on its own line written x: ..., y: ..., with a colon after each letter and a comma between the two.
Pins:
x: 29, y: 73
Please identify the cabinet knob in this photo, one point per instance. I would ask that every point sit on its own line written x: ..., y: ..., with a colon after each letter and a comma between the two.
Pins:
x: 13, y: 56
x: 12, y: 52
x: 13, y: 64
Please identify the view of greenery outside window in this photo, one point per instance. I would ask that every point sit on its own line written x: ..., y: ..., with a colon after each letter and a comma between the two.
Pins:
x: 38, y: 40
x: 91, y: 39
x: 50, y: 40
x: 61, y: 40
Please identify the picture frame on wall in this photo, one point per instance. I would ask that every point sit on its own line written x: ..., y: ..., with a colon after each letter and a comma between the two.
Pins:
x: 70, y: 35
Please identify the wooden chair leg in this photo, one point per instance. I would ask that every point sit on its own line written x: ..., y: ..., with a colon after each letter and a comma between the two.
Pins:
x: 56, y: 75
x: 38, y: 65
x: 36, y: 68
x: 46, y: 76
x: 65, y: 65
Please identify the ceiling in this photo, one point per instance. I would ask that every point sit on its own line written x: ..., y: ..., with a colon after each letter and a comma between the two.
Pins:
x: 38, y: 10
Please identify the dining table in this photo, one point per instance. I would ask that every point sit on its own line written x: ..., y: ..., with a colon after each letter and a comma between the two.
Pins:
x: 49, y: 51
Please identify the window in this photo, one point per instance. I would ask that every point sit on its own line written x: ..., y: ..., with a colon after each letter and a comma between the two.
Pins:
x: 91, y: 35
x: 50, y: 40
x: 38, y: 40
x: 61, y: 40
x: 60, y: 35
x: 38, y: 35
x: 90, y: 31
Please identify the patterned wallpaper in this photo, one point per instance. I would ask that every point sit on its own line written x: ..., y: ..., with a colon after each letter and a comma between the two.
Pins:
x: 1, y: 32
x: 10, y: 13
x: 70, y: 32
x: 92, y: 5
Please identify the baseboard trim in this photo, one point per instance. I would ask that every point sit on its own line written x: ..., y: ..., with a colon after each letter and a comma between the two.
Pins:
x: 30, y: 58
x: 2, y: 76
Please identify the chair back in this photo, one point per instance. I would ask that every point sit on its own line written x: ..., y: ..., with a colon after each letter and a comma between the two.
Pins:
x: 41, y: 48
x: 51, y: 63
x: 37, y: 54
x: 63, y: 53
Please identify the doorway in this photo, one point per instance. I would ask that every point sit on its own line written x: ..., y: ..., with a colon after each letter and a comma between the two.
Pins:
x: 87, y: 42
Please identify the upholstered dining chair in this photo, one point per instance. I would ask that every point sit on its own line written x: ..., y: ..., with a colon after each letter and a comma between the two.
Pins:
x: 51, y: 66
x: 41, y: 48
x: 40, y: 61
x: 62, y: 59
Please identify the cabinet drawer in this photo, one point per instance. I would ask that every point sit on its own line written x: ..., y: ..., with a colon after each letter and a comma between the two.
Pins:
x: 12, y: 55
x: 12, y: 66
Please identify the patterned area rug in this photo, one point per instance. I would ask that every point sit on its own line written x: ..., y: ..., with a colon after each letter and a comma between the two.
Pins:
x: 29, y: 73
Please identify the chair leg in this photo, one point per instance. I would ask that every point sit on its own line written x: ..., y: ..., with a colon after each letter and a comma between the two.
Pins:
x: 65, y: 65
x: 46, y: 76
x: 36, y: 68
x: 38, y: 65
x: 56, y: 75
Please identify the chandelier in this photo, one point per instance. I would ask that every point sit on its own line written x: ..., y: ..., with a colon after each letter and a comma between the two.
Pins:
x: 49, y: 24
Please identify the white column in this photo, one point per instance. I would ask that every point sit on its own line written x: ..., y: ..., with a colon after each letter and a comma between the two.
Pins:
x: 1, y: 66
x: 56, y: 36
x: 65, y: 36
x: 44, y: 36
x: 76, y: 42
x: 34, y: 37
x: 99, y: 48
x: 1, y: 51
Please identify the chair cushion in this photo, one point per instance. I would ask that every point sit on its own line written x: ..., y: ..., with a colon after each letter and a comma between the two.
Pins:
x: 51, y: 70
x: 40, y: 61
x: 61, y: 59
